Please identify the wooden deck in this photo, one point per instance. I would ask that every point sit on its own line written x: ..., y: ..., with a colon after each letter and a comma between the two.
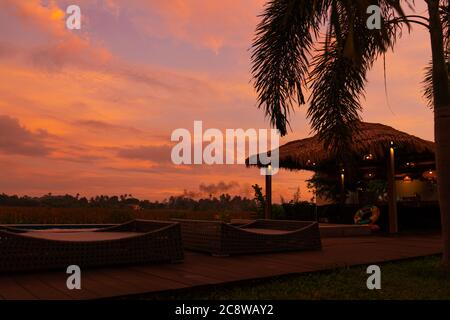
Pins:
x: 202, y: 270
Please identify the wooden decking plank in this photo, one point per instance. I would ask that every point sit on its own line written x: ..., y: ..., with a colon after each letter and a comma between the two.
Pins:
x: 199, y: 265
x: 186, y: 278
x: 39, y: 288
x: 142, y: 281
x: 238, y: 266
x: 400, y: 250
x: 190, y: 273
x: 11, y: 290
x: 58, y: 281
x: 164, y: 282
x: 217, y: 276
x: 307, y: 259
x: 413, y: 243
x: 105, y: 286
x: 272, y: 264
x: 288, y: 263
x: 340, y: 240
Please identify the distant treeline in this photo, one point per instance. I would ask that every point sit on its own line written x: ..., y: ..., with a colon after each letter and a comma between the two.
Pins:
x: 183, y: 202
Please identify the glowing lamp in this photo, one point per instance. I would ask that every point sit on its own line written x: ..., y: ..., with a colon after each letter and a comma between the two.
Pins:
x: 369, y: 175
x: 407, y: 179
x: 430, y: 175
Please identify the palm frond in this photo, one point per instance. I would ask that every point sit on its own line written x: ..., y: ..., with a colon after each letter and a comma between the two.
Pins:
x: 428, y: 85
x: 339, y: 75
x: 337, y: 85
x: 280, y: 55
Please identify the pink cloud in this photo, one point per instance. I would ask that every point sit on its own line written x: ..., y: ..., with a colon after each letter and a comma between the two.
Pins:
x: 63, y: 46
x: 47, y: 18
x: 210, y: 24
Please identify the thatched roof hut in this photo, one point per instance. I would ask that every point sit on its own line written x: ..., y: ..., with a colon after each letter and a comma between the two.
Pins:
x: 370, y: 145
x: 376, y: 150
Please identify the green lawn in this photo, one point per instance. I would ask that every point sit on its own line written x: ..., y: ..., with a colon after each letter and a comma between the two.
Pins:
x: 421, y: 278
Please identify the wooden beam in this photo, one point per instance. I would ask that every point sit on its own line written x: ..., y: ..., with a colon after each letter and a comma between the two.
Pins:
x: 392, y: 193
x: 268, y: 209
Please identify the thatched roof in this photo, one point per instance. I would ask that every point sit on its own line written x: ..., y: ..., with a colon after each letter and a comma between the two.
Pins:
x: 372, y: 139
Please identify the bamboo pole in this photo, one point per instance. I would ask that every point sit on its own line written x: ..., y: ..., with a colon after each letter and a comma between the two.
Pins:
x: 268, y: 208
x: 392, y: 192
x: 342, y: 195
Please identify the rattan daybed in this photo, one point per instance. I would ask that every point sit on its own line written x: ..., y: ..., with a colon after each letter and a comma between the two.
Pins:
x: 259, y: 236
x: 134, y: 242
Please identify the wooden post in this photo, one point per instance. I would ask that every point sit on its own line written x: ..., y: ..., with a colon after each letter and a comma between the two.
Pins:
x: 268, y: 209
x: 342, y: 195
x: 392, y: 192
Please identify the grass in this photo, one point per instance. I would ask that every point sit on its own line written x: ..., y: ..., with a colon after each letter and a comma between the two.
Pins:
x: 420, y: 279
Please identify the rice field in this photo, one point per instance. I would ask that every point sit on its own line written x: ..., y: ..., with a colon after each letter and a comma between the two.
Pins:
x: 47, y: 215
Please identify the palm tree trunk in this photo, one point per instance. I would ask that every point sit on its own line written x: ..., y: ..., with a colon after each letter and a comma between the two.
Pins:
x: 441, y: 95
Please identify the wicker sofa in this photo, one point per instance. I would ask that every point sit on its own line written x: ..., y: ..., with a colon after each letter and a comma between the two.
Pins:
x: 259, y: 236
x: 134, y: 242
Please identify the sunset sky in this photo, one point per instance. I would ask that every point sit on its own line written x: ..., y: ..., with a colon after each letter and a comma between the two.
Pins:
x: 91, y: 111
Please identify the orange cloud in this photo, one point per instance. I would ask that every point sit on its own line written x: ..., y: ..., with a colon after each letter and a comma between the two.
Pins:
x: 211, y: 24
x: 48, y: 18
x: 64, y: 46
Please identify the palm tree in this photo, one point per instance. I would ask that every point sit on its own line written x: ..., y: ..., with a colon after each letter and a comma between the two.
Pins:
x: 326, y: 47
